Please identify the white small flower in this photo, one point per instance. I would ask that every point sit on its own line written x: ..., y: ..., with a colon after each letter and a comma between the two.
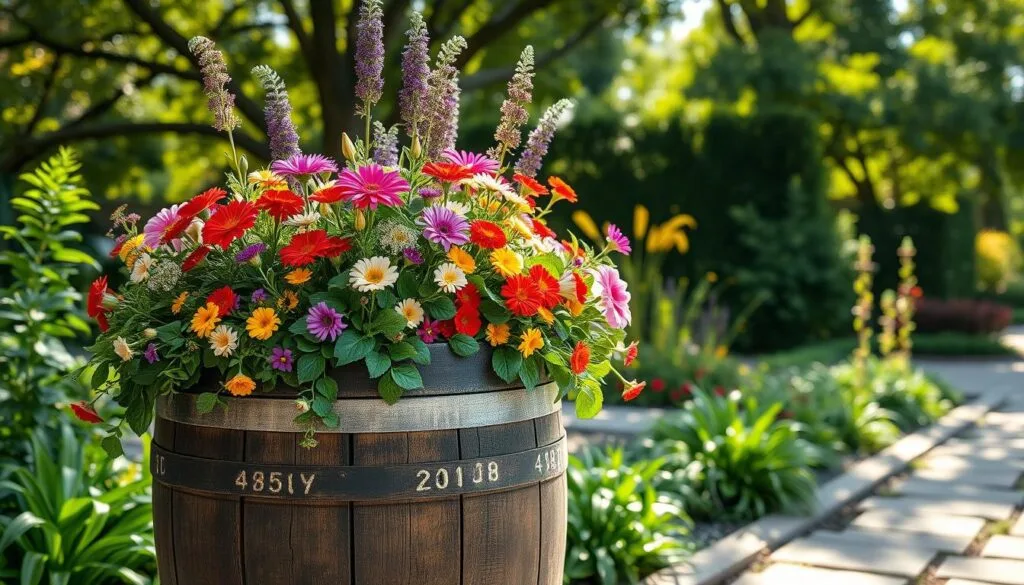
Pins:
x: 195, y: 231
x: 303, y: 220
x: 487, y: 182
x: 374, y: 273
x: 412, y: 310
x: 449, y: 277
x: 521, y: 203
x: 140, y: 271
x: 223, y: 341
x: 122, y: 349
x: 458, y: 207
x: 396, y: 237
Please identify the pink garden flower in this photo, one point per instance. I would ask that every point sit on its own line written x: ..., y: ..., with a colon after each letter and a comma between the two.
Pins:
x: 444, y: 226
x: 614, y: 296
x: 476, y: 163
x: 324, y: 323
x: 617, y: 240
x: 154, y: 230
x: 370, y: 186
x: 304, y: 164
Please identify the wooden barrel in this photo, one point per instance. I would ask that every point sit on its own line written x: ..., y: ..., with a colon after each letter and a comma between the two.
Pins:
x: 460, y: 483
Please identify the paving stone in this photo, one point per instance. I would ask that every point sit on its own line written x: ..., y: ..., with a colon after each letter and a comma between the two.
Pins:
x: 970, y: 462
x: 1007, y: 547
x: 953, y: 505
x: 1002, y: 478
x: 1002, y: 571
x: 1018, y: 528
x: 784, y: 574
x: 965, y: 582
x: 930, y: 524
x: 991, y: 440
x: 943, y: 489
x: 987, y: 452
x: 886, y: 560
x: 920, y: 540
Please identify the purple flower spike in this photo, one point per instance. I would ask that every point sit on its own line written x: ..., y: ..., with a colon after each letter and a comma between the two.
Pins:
x: 258, y: 296
x: 370, y: 53
x: 324, y: 323
x: 284, y: 140
x: 413, y: 256
x: 540, y: 138
x: 415, y: 70
x: 215, y: 80
x: 249, y: 252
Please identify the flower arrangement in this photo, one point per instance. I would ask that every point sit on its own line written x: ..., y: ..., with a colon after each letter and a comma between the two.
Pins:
x: 308, y: 263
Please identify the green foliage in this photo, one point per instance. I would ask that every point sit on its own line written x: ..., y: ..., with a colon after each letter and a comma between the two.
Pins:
x: 77, y: 519
x: 743, y: 463
x: 999, y: 260
x: 620, y: 527
x: 909, y: 395
x: 40, y: 307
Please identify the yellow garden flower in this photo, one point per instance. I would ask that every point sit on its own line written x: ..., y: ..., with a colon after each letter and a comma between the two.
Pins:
x: 131, y: 249
x: 546, y: 315
x: 205, y: 319
x: 575, y: 307
x: 497, y: 334
x: 462, y: 259
x: 240, y: 385
x: 262, y: 323
x: 298, y: 276
x: 520, y: 226
x: 266, y: 179
x: 506, y: 262
x: 531, y: 342
x: 586, y: 224
x: 179, y: 302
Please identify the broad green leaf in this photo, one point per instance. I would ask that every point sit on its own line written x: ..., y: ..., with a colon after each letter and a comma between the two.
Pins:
x: 389, y: 322
x: 494, y: 312
x: 440, y: 308
x: 422, y: 356
x: 463, y: 345
x: 530, y: 372
x: 407, y: 376
x: 507, y: 363
x: 352, y: 347
x: 388, y: 389
x: 377, y: 363
x: 309, y: 367
x: 589, y: 400
x: 401, y: 351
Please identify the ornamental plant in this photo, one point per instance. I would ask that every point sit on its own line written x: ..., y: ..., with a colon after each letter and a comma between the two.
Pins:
x: 310, y: 263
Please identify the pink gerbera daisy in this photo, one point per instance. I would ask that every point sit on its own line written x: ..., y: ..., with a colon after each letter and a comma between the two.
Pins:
x: 617, y: 240
x: 370, y: 186
x: 614, y: 296
x: 304, y: 164
x: 156, y: 227
x: 475, y: 163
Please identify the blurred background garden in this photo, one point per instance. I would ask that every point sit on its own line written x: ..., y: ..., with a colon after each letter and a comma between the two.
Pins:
x: 818, y: 189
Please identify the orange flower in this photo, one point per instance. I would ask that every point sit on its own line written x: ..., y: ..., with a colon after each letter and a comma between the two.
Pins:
x: 560, y: 190
x: 632, y: 390
x: 298, y: 276
x: 462, y: 259
x: 497, y: 334
x: 280, y: 203
x: 580, y: 358
x: 631, y: 352
x: 240, y: 385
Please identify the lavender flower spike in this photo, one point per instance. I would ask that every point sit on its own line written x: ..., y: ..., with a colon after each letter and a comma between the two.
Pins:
x: 370, y: 53
x: 443, y: 97
x: 215, y: 80
x: 537, y: 144
x: 284, y: 141
x: 513, y: 109
x: 415, y: 71
x: 385, y: 145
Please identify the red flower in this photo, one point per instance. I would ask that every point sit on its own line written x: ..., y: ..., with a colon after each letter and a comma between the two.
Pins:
x: 117, y: 246
x: 542, y: 230
x: 580, y: 358
x: 916, y: 292
x: 532, y: 185
x: 229, y: 223
x: 487, y: 234
x: 580, y: 288
x: 447, y: 327
x: 188, y: 211
x: 719, y: 391
x: 574, y: 250
x: 308, y: 246
x: 224, y: 298
x: 560, y: 190
x: 467, y: 320
x: 468, y: 296
x: 632, y: 390
x: 447, y: 172
x: 280, y: 204
x: 547, y: 286
x: 522, y: 296
x: 94, y: 303
x: 657, y: 384
x: 195, y: 258
x: 676, y: 395
x: 332, y: 194
x: 631, y: 352
x: 687, y: 388
x: 84, y: 411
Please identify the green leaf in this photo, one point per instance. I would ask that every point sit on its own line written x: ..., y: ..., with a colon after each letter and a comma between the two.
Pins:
x: 600, y: 369
x: 169, y: 332
x: 352, y: 347
x: 206, y: 402
x: 327, y: 388
x: 407, y: 376
x: 589, y: 400
x: 494, y: 312
x: 552, y: 263
x: 386, y: 299
x: 401, y: 351
x: 72, y: 256
x: 530, y: 372
x: 377, y: 364
x: 407, y: 285
x: 331, y: 420
x: 463, y: 345
x: 321, y: 406
x: 481, y: 285
x: 112, y: 445
x: 309, y: 367
x: 506, y: 363
x: 440, y: 308
x: 389, y: 390
x: 20, y: 525
x: 298, y: 327
x: 389, y: 322
x: 422, y: 356
x: 340, y: 281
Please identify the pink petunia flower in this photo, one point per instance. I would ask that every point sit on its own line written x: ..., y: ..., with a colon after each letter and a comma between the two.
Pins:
x: 153, y: 231
x: 370, y: 186
x: 613, y: 294
x: 476, y: 163
x: 304, y: 164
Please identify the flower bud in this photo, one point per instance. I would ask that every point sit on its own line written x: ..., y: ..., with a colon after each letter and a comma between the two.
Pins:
x: 347, y: 148
x: 360, y: 220
x: 149, y: 333
x: 417, y: 149
x: 302, y: 405
x: 243, y: 165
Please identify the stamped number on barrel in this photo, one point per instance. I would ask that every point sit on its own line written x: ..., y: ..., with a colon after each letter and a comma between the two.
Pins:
x: 549, y: 461
x: 275, y: 482
x: 441, y: 478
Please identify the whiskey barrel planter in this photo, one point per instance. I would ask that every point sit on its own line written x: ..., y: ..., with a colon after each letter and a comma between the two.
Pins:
x: 460, y: 483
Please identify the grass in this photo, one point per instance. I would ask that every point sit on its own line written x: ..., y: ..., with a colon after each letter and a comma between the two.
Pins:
x: 925, y: 344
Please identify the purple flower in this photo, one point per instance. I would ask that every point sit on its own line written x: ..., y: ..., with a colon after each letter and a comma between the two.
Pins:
x: 617, y: 240
x: 284, y: 140
x: 413, y: 255
x: 430, y: 192
x: 370, y: 53
x: 443, y: 98
x: 281, y: 359
x: 415, y: 70
x: 324, y: 322
x: 385, y: 145
x: 429, y: 330
x: 444, y: 226
x: 513, y: 109
x: 304, y: 164
x: 150, y: 353
x: 215, y: 80
x: 537, y: 144
x: 476, y: 163
x: 249, y: 252
x: 258, y: 296
x: 156, y: 226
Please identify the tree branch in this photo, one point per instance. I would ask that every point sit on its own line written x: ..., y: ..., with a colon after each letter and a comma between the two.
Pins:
x: 44, y: 97
x: 730, y: 25
x: 225, y: 18
x: 295, y: 23
x: 12, y: 42
x: 499, y: 26
x: 99, y: 108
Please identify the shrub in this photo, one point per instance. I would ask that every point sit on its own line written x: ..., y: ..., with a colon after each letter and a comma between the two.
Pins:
x: 912, y: 398
x: 744, y: 464
x: 961, y: 316
x: 999, y: 259
x: 620, y: 527
x: 670, y: 383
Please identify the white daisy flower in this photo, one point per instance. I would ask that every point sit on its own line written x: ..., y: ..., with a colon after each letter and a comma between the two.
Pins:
x: 223, y: 341
x: 303, y: 220
x: 486, y: 182
x: 449, y: 277
x: 140, y: 271
x: 458, y: 207
x: 374, y: 273
x: 412, y: 310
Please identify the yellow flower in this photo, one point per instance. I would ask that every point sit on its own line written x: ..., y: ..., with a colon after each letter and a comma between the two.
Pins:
x: 712, y: 277
x: 546, y: 315
x: 178, y: 302
x: 497, y: 334
x: 520, y: 226
x: 721, y: 351
x: 130, y: 250
x: 586, y: 224
x: 288, y: 301
x: 266, y: 179
x: 640, y: 219
x: 298, y: 276
x: 240, y: 385
x: 205, y: 319
x: 262, y: 323
x: 462, y: 259
x: 506, y: 262
x: 575, y: 307
x: 531, y: 342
